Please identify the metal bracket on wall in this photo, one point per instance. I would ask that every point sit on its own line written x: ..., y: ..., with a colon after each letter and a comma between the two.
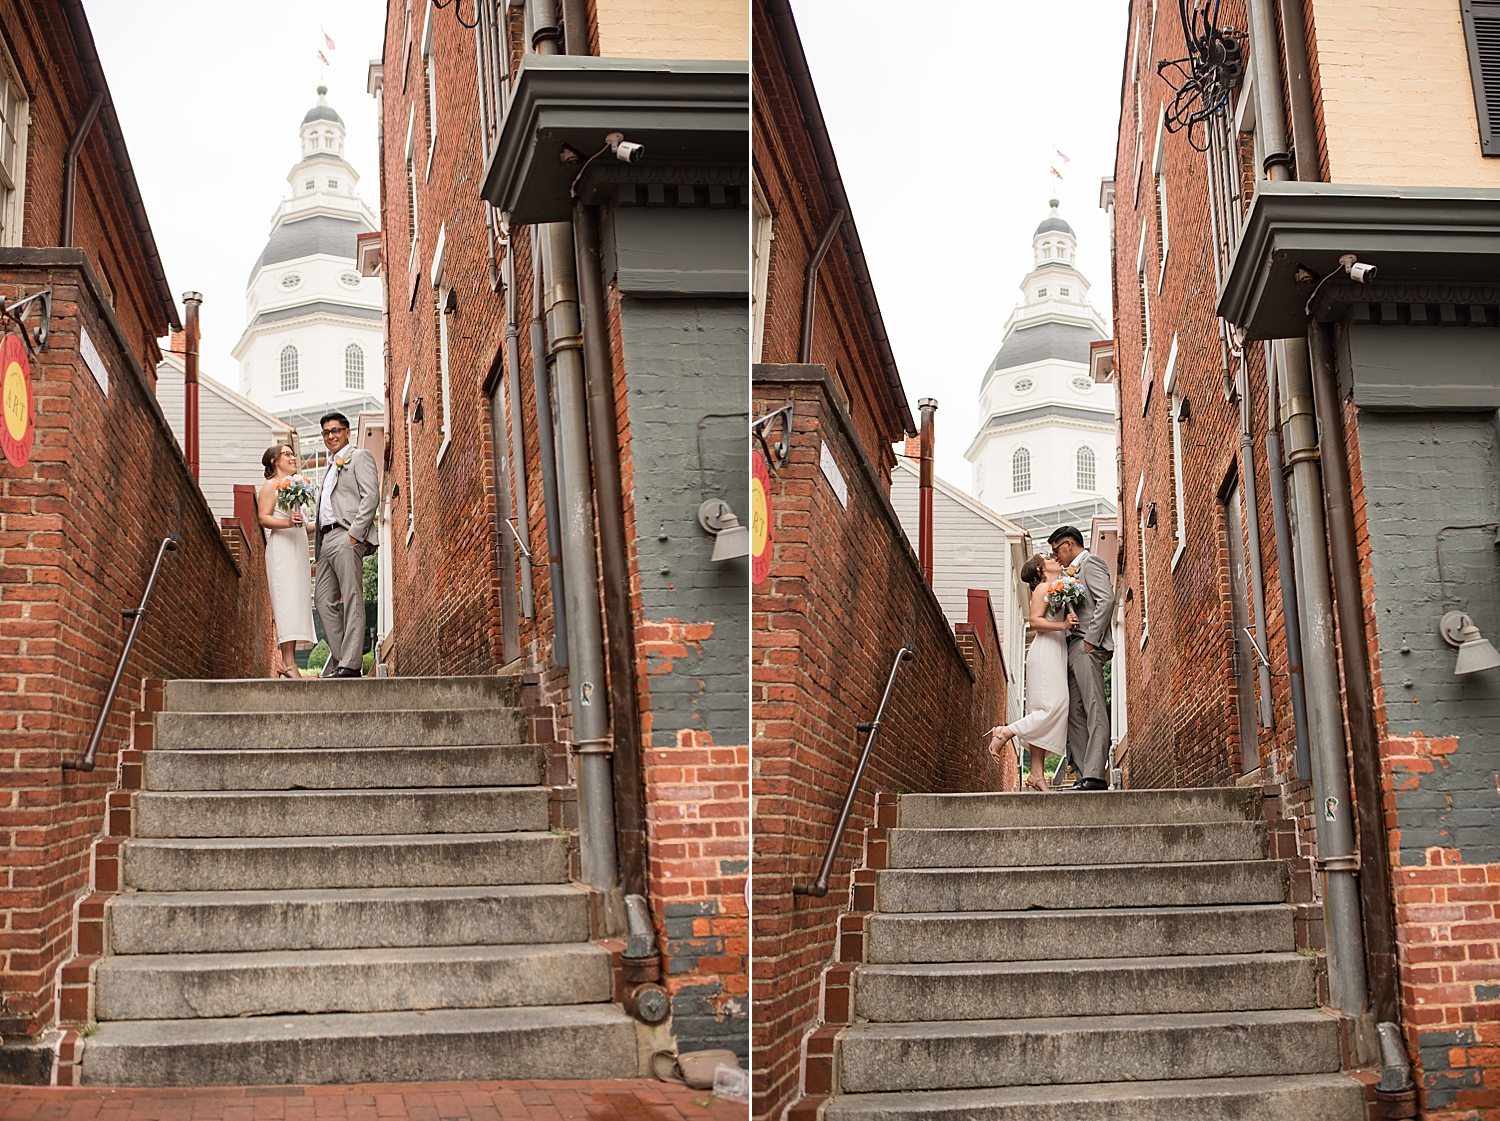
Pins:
x: 37, y: 338
x: 778, y: 453
x: 510, y: 524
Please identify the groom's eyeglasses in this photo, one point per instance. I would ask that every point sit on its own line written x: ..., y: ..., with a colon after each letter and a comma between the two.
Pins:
x: 333, y: 430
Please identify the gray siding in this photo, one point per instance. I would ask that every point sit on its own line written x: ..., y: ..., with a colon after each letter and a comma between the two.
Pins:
x: 1422, y: 472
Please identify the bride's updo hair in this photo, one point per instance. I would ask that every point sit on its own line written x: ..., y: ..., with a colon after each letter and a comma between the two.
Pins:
x: 272, y: 454
x: 1034, y: 571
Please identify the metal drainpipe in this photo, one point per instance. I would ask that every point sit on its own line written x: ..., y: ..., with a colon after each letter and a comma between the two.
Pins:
x: 541, y: 376
x: 1374, y: 869
x: 70, y: 165
x: 517, y: 431
x: 191, y: 302
x: 630, y: 807
x: 587, y: 685
x: 810, y: 285
x: 1252, y: 531
x: 1330, y: 774
x: 1290, y: 616
x: 927, y: 406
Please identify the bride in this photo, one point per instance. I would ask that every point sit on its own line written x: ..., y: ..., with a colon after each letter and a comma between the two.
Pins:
x: 1044, y: 728
x: 288, y: 570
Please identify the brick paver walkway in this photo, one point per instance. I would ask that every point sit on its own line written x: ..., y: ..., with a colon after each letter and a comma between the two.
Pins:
x: 616, y: 1100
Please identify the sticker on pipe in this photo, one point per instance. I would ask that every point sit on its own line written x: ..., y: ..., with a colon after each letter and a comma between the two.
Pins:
x: 18, y: 430
x: 760, y: 518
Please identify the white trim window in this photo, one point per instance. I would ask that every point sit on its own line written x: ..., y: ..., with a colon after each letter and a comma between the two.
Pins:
x: 1140, y: 509
x: 429, y: 88
x: 1088, y: 469
x: 1145, y: 290
x: 760, y: 268
x: 411, y: 483
x: 1158, y: 167
x: 413, y: 222
x: 440, y: 336
x: 15, y: 117
x: 1020, y: 471
x: 290, y: 375
x: 1171, y: 390
x: 354, y: 367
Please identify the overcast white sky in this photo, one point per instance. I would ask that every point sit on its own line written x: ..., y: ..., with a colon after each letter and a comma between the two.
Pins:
x: 210, y: 97
x: 945, y: 119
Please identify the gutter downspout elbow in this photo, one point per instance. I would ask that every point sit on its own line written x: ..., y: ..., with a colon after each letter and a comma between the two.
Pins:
x: 70, y: 165
x: 810, y: 285
x: 927, y: 406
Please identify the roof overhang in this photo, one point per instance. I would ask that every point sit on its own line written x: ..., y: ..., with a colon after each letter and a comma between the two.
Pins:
x: 1437, y: 237
x: 688, y: 115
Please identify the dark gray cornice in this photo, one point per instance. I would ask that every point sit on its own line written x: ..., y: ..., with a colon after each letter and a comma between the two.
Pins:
x: 1414, y: 235
x: 318, y: 307
x: 684, y: 112
x: 1067, y: 412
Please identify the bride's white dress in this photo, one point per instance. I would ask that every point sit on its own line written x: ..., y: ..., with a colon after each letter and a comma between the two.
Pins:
x: 289, y: 573
x: 1045, y: 724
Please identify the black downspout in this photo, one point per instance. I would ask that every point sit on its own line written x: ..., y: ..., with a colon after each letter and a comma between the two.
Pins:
x: 810, y: 285
x: 542, y: 379
x: 70, y: 166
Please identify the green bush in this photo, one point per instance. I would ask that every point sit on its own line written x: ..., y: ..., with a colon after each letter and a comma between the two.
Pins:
x: 318, y: 658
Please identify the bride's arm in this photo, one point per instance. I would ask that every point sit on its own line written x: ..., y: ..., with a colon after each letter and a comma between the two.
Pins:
x: 265, y: 507
x: 1039, y: 620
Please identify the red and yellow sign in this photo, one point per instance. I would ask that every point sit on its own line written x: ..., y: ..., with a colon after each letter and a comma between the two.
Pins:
x: 16, y: 430
x: 760, y: 518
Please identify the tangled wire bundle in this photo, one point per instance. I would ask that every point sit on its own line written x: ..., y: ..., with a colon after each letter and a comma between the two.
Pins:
x: 1201, y: 81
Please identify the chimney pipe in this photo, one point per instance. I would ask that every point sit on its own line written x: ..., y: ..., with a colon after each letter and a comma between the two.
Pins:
x: 191, y: 302
x: 927, y: 406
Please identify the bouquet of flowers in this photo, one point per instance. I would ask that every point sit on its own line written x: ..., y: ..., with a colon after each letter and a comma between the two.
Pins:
x: 294, y: 492
x: 1065, y: 593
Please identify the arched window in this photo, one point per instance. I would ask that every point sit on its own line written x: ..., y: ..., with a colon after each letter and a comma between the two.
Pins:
x: 1087, y: 476
x: 354, y: 367
x: 1020, y: 471
x: 288, y: 369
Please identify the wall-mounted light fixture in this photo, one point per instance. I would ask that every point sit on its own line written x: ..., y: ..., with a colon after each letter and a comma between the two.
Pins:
x: 450, y: 301
x: 416, y: 412
x: 1185, y: 410
x: 1151, y: 515
x: 1475, y: 652
x: 730, y: 538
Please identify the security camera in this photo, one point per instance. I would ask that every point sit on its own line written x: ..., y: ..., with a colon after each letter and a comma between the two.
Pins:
x: 1357, y: 270
x: 625, y: 150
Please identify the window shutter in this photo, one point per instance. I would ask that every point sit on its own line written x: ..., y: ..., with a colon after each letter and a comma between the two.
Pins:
x: 1482, y: 32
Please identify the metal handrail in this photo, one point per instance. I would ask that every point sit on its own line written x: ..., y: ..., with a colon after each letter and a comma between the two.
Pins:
x: 819, y: 887
x: 86, y: 761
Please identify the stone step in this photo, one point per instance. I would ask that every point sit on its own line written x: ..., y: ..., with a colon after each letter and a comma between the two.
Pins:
x: 211, y: 986
x: 1186, y: 884
x: 313, y: 695
x: 458, y: 1045
x: 1305, y: 1097
x: 350, y: 768
x: 399, y: 860
x: 179, y: 922
x: 1084, y: 987
x: 443, y: 727
x: 1070, y: 935
x: 1105, y: 807
x: 1041, y: 846
x: 340, y: 813
x: 956, y: 1055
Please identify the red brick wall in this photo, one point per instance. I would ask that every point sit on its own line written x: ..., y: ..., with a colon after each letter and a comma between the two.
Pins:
x: 80, y: 525
x: 843, y: 595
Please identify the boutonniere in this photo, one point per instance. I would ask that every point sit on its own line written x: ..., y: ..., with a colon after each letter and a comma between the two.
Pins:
x: 341, y: 463
x: 1071, y: 571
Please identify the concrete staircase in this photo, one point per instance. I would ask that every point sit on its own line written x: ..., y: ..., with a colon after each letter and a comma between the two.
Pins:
x: 343, y: 882
x: 1076, y: 957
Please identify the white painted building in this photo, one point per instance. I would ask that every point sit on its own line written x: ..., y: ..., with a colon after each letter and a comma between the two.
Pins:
x: 312, y: 339
x: 1044, y: 455
x: 972, y: 547
x: 233, y: 432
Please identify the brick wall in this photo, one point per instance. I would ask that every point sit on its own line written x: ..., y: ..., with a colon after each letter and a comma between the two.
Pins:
x: 674, y: 360
x: 844, y: 593
x: 80, y: 525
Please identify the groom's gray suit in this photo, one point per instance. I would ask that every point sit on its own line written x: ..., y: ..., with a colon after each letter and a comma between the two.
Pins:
x: 339, y: 592
x: 1088, y: 715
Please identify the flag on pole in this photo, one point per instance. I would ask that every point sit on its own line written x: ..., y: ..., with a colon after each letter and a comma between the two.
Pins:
x: 327, y: 40
x: 1059, y: 151
x: 323, y: 58
x: 1055, y: 172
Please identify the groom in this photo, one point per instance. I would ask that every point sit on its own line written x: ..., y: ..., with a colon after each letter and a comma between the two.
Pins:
x: 346, y: 535
x: 1089, y: 647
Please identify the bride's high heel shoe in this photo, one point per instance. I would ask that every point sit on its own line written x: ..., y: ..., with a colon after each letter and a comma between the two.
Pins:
x: 291, y: 672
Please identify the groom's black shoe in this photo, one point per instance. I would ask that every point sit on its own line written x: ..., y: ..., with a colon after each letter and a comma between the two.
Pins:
x: 1081, y: 784
x: 346, y: 671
